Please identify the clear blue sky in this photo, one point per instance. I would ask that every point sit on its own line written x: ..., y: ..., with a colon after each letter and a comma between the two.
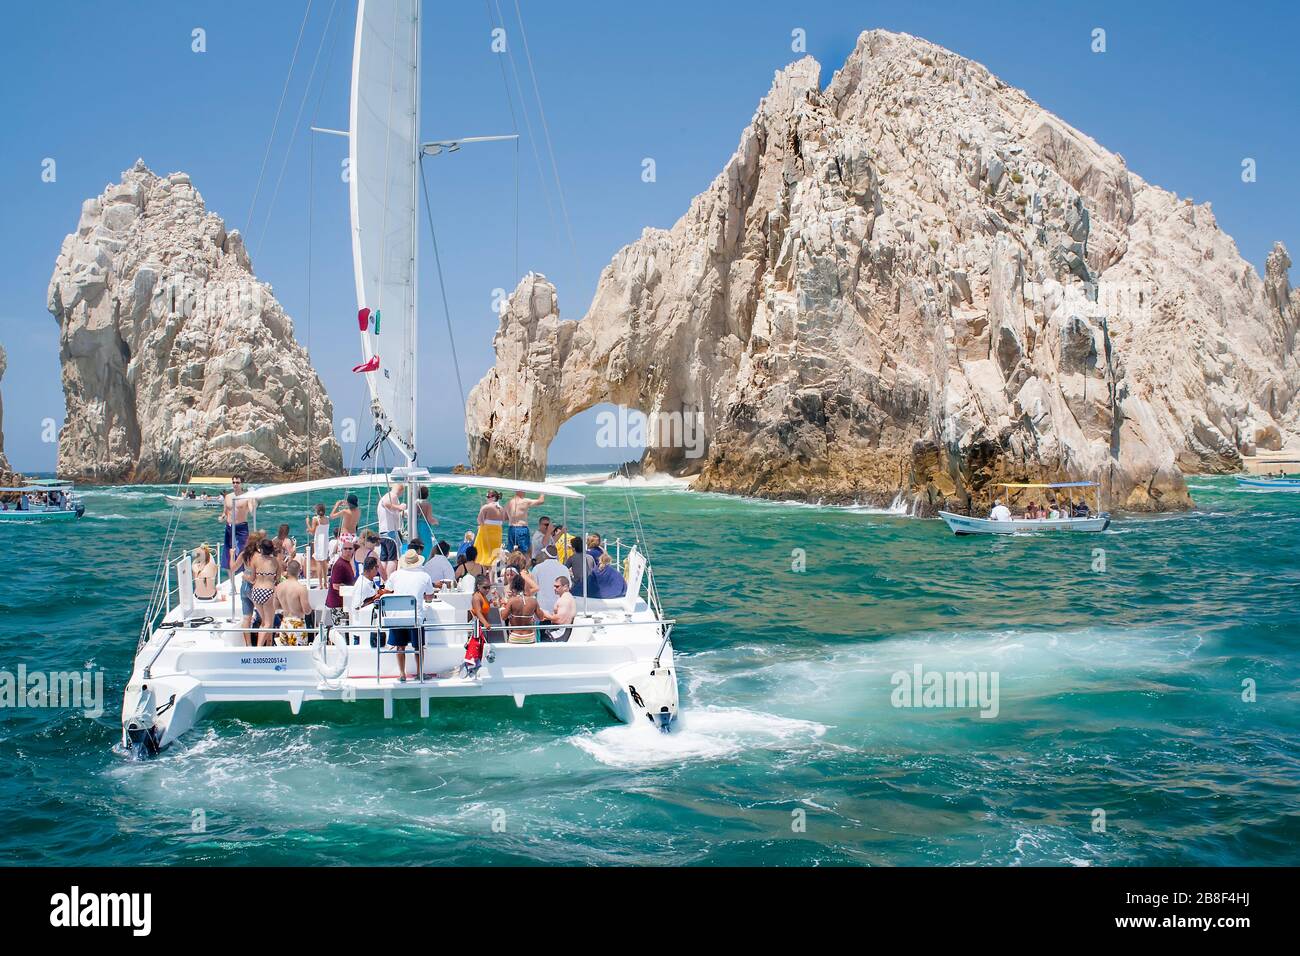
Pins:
x: 1184, y: 92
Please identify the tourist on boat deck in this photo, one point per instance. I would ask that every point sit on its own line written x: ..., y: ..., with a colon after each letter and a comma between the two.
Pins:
x: 367, y: 589
x: 292, y: 598
x: 565, y: 610
x: 480, y: 608
x: 409, y: 579
x: 1031, y: 511
x: 391, y: 511
x: 580, y: 565
x: 520, y: 564
x: 606, y: 581
x: 520, y: 613
x: 466, y: 542
x: 490, y: 519
x: 546, y: 572
x: 318, y: 529
x: 205, y: 574
x: 439, y: 569
x: 241, y: 566
x: 266, y: 575
x: 594, y: 547
x: 341, y: 575
x: 543, y: 537
x: 1000, y: 511
x: 425, y: 521
x: 234, y: 515
x: 518, y: 535
x: 285, y: 547
x: 1055, y: 513
x: 1081, y: 509
x: 348, y: 511
x: 470, y: 569
x: 367, y: 545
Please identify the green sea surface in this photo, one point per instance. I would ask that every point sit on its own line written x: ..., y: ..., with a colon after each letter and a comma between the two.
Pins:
x: 1147, y: 704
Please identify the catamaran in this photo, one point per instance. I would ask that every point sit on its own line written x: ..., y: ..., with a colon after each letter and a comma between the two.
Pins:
x: 42, y: 500
x: 1094, y: 520
x: 200, y: 499
x: 192, y: 652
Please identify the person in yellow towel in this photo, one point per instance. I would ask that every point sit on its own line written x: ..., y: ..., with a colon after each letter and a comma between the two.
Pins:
x: 490, y: 519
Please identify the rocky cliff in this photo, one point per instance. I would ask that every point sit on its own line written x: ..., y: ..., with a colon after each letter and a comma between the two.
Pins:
x: 7, y: 476
x: 176, y: 359
x: 915, y: 279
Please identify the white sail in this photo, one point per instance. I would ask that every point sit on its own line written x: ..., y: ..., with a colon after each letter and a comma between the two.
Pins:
x: 383, y: 155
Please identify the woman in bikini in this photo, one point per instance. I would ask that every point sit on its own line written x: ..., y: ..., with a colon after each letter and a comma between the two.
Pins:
x: 285, y: 546
x: 205, y: 574
x: 470, y: 568
x: 520, y: 614
x: 266, y: 574
x: 480, y: 607
x: 242, y: 566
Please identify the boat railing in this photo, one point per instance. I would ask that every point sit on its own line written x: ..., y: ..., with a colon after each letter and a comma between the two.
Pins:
x: 322, y: 632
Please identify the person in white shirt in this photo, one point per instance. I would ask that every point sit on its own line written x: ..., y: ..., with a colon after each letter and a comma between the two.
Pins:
x: 391, y: 510
x: 542, y: 538
x: 1000, y: 512
x: 410, y: 579
x: 546, y: 573
x: 439, y: 567
x: 367, y: 587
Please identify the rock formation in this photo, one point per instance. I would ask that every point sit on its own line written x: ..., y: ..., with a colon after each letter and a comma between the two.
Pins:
x: 176, y: 359
x: 918, y: 280
x: 7, y: 476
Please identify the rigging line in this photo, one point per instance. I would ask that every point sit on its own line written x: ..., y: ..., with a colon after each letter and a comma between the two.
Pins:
x: 275, y: 125
x: 297, y: 120
x: 532, y: 140
x: 311, y: 195
x: 442, y: 286
x: 541, y: 112
x: 514, y: 128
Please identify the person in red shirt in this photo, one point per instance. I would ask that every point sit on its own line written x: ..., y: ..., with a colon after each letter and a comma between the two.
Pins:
x: 341, y: 574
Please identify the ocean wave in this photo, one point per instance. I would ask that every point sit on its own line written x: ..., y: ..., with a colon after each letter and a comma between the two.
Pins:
x: 708, y: 733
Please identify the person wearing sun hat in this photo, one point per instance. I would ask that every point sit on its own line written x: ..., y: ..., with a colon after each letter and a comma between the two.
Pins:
x: 411, y: 579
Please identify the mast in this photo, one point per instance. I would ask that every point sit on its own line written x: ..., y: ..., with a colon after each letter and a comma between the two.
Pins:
x: 414, y: 318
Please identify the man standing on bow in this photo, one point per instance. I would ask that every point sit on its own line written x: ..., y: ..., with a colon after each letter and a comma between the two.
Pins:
x: 234, y: 515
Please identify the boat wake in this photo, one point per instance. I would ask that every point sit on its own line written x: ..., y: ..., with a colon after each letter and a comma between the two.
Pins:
x: 709, y: 733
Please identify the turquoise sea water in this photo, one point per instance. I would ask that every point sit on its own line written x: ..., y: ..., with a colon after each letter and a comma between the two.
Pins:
x: 1120, y: 690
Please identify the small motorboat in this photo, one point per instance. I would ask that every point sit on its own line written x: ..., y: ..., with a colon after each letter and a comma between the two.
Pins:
x: 41, y: 500
x: 206, y: 499
x: 1091, y: 520
x: 1266, y: 483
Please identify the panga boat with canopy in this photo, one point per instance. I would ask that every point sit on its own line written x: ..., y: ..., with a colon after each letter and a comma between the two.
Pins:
x: 1261, y: 483
x: 209, y: 497
x: 1077, y: 518
x: 41, y: 500
x: 192, y: 652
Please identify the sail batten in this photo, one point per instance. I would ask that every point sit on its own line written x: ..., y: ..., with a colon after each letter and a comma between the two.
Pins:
x: 383, y: 153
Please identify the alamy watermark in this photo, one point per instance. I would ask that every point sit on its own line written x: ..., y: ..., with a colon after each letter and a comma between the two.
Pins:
x: 957, y: 689
x: 628, y: 428
x: 73, y: 690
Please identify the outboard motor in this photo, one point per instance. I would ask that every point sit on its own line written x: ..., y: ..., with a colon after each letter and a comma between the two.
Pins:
x: 140, y: 733
x: 658, y: 698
